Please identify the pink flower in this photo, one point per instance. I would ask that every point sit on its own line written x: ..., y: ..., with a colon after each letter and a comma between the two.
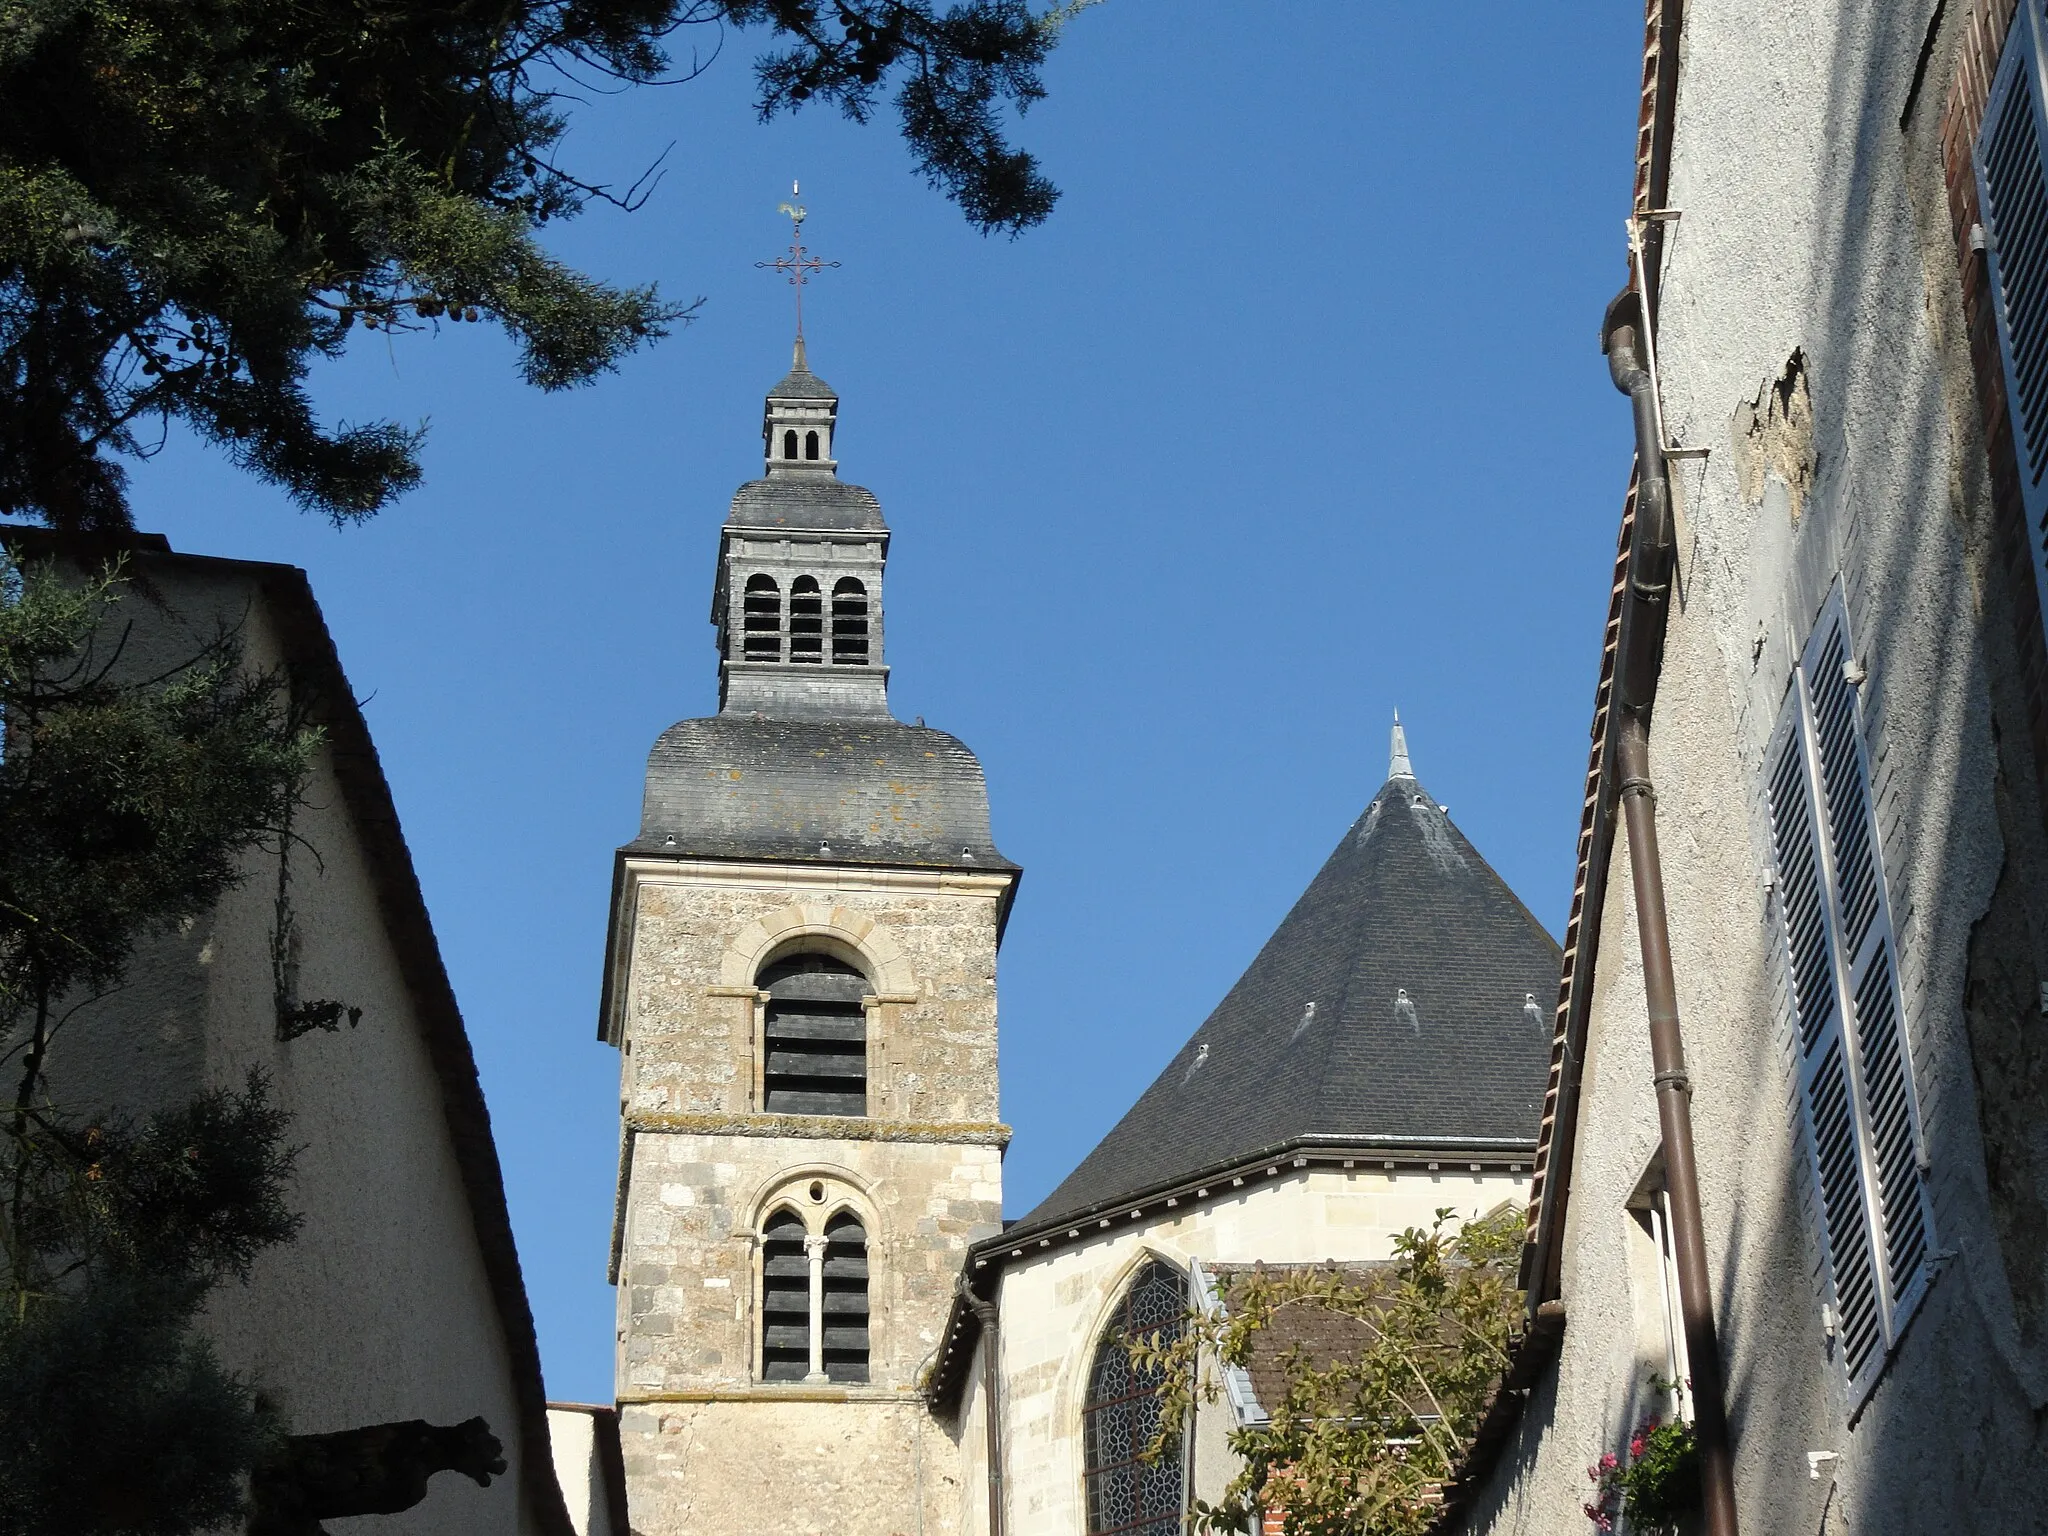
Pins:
x: 1609, y: 1462
x: 1635, y: 1446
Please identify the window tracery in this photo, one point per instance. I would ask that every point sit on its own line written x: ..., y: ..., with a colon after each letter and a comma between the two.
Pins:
x: 814, y: 1307
x: 1121, y: 1413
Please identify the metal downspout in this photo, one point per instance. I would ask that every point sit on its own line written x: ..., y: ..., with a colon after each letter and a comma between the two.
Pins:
x: 986, y: 1314
x: 1641, y: 643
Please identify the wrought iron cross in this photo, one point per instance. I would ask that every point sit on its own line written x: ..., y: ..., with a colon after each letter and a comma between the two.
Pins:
x: 799, y: 264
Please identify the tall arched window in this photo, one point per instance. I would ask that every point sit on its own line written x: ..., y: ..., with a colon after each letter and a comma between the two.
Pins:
x: 815, y: 1039
x: 785, y: 1299
x: 844, y: 1298
x: 789, y: 445
x: 810, y: 445
x: 1121, y: 1414
x: 806, y: 620
x: 763, y: 620
x: 849, y: 623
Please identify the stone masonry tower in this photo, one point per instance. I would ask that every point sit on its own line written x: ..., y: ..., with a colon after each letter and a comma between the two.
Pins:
x: 800, y: 977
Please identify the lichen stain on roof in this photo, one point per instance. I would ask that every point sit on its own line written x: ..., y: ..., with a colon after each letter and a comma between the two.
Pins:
x: 872, y: 790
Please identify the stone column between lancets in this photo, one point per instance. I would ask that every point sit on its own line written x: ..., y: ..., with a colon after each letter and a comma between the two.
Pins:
x: 814, y: 1249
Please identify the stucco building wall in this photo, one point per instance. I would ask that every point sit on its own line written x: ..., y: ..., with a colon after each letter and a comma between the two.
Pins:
x: 1055, y: 1306
x: 382, y: 1308
x: 1811, y: 256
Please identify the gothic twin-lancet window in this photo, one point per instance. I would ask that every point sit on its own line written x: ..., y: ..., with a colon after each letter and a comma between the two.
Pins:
x: 1854, y: 1060
x: 763, y: 635
x: 810, y: 445
x: 1122, y: 1410
x: 814, y: 1037
x: 814, y: 1298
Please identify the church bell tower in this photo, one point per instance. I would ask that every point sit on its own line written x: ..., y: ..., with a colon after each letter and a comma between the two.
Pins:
x: 800, y: 978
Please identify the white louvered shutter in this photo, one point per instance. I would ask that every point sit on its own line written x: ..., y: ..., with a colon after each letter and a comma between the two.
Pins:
x: 1855, y: 1068
x: 2012, y: 191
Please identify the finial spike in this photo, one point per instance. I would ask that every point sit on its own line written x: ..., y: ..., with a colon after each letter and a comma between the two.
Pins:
x: 798, y: 362
x: 1398, y: 766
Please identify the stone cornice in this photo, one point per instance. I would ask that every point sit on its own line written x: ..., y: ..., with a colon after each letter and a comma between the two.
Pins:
x: 981, y: 1133
x: 642, y: 869
x: 776, y: 1393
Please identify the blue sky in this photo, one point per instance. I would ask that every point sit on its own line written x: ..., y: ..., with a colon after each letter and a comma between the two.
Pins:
x: 1292, y: 414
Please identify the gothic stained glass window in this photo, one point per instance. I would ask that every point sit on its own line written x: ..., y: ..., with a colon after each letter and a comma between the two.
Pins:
x: 1122, y: 1414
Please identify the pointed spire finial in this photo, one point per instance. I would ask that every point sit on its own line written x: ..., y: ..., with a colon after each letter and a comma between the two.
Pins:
x: 1398, y: 766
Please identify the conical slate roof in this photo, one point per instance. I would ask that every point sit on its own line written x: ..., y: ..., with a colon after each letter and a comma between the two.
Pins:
x: 1404, y: 999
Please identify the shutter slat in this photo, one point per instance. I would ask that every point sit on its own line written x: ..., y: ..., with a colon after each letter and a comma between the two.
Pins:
x: 1824, y: 1085
x: 1856, y: 1084
x: 2018, y: 210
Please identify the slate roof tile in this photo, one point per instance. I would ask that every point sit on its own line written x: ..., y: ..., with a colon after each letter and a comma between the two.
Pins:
x: 1418, y: 961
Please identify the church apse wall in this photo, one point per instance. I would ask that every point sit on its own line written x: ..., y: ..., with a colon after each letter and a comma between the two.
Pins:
x: 1055, y: 1308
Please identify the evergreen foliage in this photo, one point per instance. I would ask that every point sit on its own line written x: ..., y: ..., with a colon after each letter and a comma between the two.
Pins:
x: 125, y: 804
x: 1358, y: 1446
x: 199, y: 198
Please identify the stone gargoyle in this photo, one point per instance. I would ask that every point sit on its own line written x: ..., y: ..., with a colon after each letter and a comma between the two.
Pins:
x: 379, y: 1469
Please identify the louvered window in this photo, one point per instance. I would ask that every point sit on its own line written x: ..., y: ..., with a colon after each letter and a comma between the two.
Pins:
x: 785, y: 1299
x: 849, y: 623
x: 815, y: 1038
x: 806, y: 620
x: 2012, y: 191
x: 1855, y: 1069
x: 843, y: 1299
x: 814, y: 1299
x: 1122, y: 1412
x: 762, y: 617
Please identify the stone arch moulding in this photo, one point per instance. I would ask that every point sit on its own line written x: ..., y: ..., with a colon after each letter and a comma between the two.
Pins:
x: 845, y: 1191
x: 858, y: 936
x: 1070, y: 1396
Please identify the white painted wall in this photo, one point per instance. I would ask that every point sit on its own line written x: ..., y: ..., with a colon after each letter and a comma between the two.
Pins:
x: 1055, y: 1307
x: 381, y: 1309
x: 1810, y: 221
x: 572, y: 1434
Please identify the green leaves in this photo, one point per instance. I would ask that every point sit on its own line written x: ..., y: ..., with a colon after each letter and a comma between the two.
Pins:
x: 127, y: 799
x: 125, y: 805
x: 200, y: 198
x: 955, y: 68
x: 114, y: 1413
x: 1360, y: 1444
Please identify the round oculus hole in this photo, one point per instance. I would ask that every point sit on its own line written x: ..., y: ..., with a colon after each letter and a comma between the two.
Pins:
x: 818, y: 1193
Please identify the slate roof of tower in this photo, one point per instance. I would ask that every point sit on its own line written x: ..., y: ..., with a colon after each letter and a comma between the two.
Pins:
x: 806, y: 501
x: 802, y: 384
x: 1405, y: 910
x: 853, y: 791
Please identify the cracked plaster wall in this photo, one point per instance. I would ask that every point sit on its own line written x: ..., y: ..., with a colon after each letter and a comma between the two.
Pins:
x: 1813, y: 227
